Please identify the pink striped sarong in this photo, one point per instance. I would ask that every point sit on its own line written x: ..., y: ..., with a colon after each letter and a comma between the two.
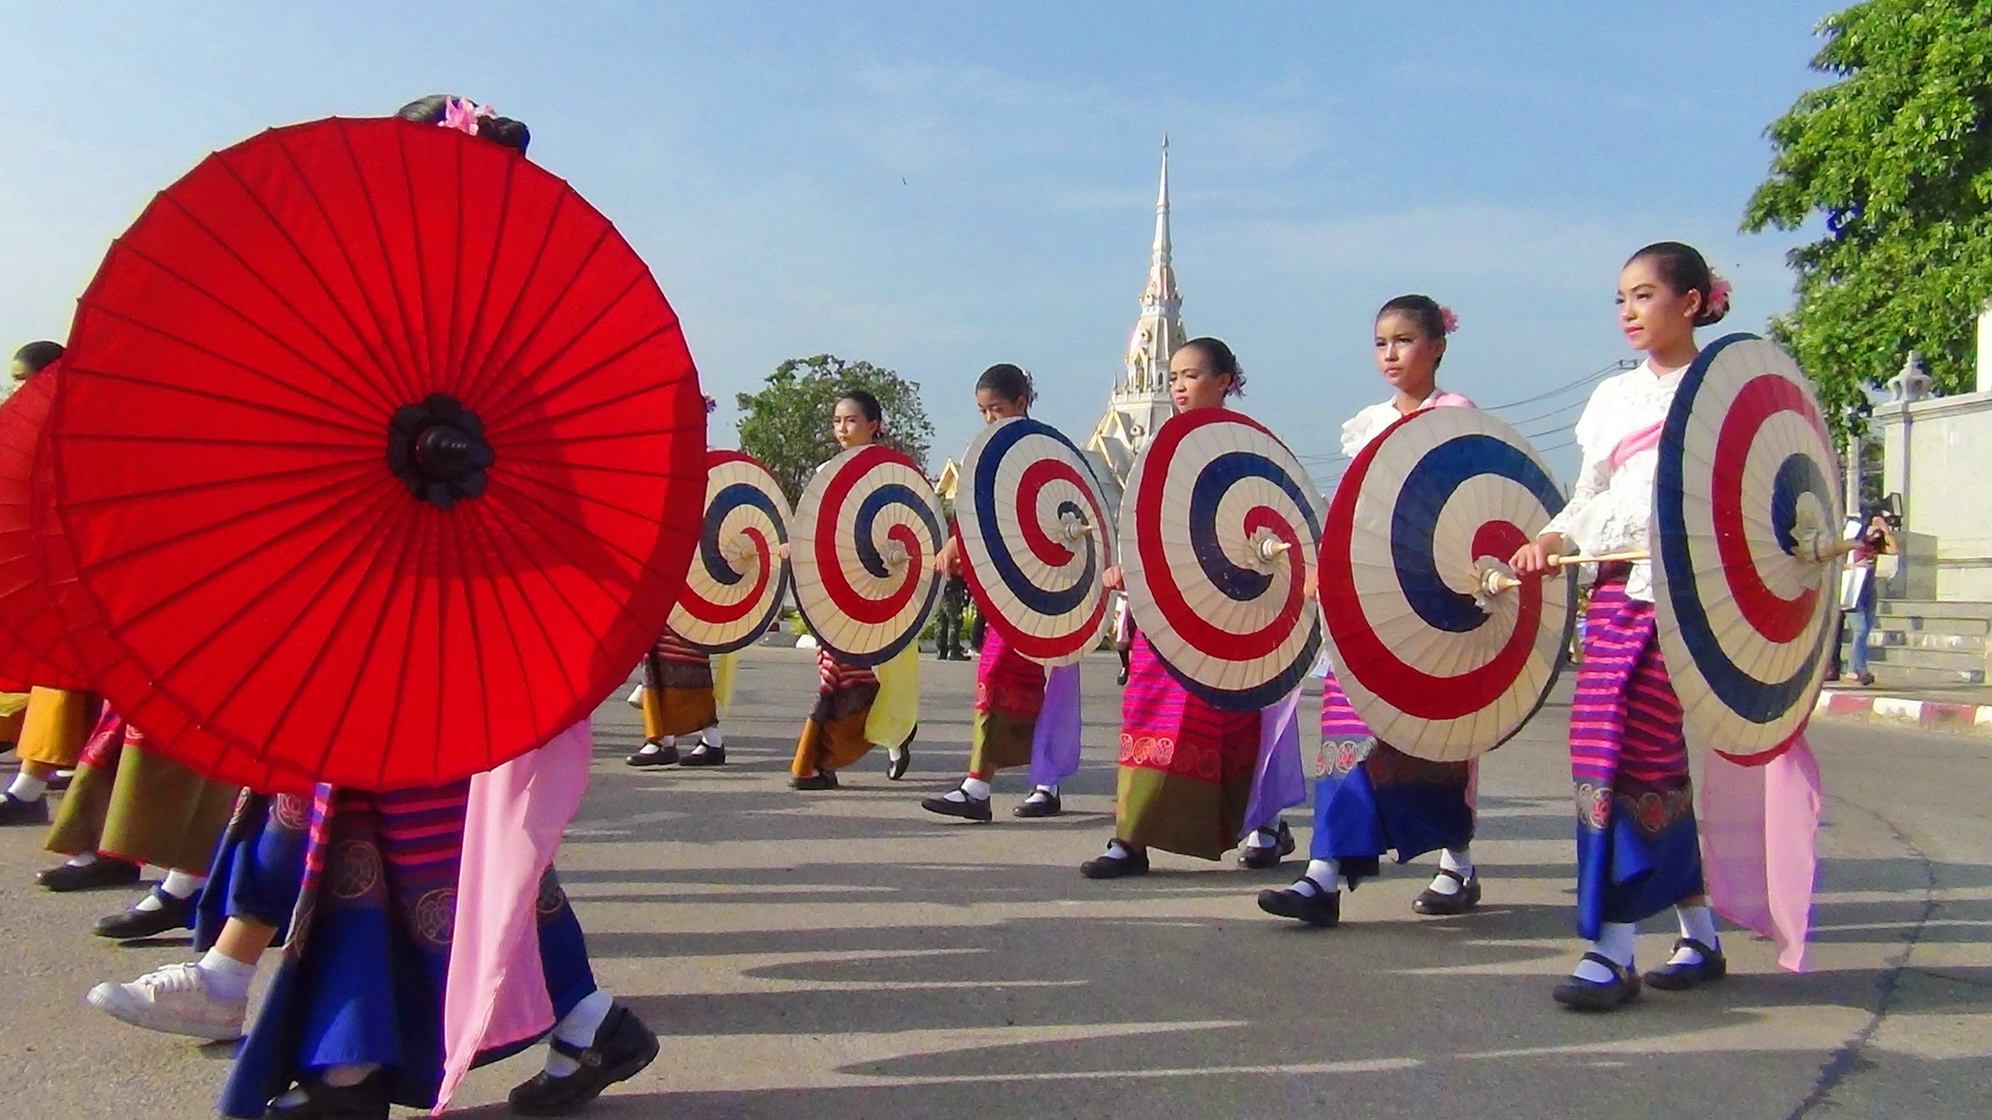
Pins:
x: 1186, y: 768
x: 1637, y: 849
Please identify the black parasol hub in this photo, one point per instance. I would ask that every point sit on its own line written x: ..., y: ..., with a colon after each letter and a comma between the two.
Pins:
x: 437, y: 448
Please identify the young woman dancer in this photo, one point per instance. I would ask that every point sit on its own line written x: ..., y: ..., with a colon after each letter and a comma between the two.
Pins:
x: 1012, y: 693
x: 859, y: 707
x: 1637, y: 848
x: 1186, y: 768
x: 51, y: 725
x: 682, y: 696
x: 392, y: 885
x: 1370, y: 797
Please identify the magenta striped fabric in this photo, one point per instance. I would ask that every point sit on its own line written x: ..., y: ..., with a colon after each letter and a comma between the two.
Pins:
x: 1625, y: 721
x: 1165, y: 728
x: 1339, y: 721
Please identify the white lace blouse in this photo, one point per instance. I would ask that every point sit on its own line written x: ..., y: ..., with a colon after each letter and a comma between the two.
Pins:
x: 1611, y: 505
x: 1371, y: 422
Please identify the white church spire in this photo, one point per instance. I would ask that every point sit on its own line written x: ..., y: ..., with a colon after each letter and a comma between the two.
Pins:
x: 1140, y: 402
x: 1159, y: 331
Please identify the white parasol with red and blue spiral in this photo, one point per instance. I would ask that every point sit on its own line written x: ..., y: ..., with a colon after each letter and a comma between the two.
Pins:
x: 865, y: 534
x: 1440, y: 660
x: 1036, y: 538
x: 1746, y: 516
x: 1217, y: 547
x: 734, y: 588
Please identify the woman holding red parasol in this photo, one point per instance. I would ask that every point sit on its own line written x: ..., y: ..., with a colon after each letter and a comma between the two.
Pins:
x: 858, y: 707
x: 48, y: 725
x: 1370, y: 797
x: 491, y: 377
x: 1012, y: 725
x: 1638, y: 852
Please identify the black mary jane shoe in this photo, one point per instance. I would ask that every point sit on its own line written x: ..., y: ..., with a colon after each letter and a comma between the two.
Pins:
x: 968, y: 808
x: 366, y: 1100
x: 1713, y: 966
x: 710, y: 756
x: 1116, y: 867
x: 105, y: 871
x: 1259, y: 859
x: 13, y: 810
x: 1323, y: 908
x: 822, y: 779
x: 1594, y: 995
x: 663, y: 756
x: 1039, y: 805
x: 1460, y: 901
x: 623, y: 1046
x: 896, y: 765
x: 135, y: 924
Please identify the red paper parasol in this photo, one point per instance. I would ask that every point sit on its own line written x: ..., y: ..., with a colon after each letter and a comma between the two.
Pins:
x: 734, y: 588
x: 33, y: 650
x: 866, y: 531
x: 1437, y: 664
x: 378, y: 451
x: 1036, y: 535
x: 1217, y: 552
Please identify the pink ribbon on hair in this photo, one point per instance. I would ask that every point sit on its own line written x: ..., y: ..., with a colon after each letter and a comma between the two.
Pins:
x: 461, y: 114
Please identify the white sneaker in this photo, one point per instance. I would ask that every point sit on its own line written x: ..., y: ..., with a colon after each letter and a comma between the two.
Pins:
x: 174, y: 999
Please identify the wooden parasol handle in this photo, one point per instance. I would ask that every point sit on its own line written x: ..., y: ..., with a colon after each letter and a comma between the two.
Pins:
x: 1494, y: 581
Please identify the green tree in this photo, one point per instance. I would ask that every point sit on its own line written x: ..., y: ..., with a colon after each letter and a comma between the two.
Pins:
x: 787, y: 424
x: 1896, y: 157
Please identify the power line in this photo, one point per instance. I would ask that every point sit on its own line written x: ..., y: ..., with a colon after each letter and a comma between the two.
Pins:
x: 1580, y: 402
x: 1618, y: 366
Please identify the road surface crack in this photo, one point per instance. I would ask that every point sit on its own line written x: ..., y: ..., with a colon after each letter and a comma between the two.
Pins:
x: 1848, y: 1060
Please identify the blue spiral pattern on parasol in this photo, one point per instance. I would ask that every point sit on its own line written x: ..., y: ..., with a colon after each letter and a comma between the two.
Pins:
x: 723, y: 504
x: 1213, y: 483
x: 1052, y: 602
x: 1414, y: 521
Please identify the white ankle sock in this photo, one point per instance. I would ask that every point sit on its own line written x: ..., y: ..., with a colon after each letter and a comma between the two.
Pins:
x: 1697, y: 922
x: 974, y: 789
x: 1615, y: 942
x: 27, y: 788
x: 80, y: 859
x: 1262, y: 838
x: 1117, y: 850
x: 711, y: 738
x: 226, y: 977
x: 182, y: 884
x: 1042, y: 793
x: 1323, y: 871
x: 1458, y: 860
x: 578, y: 1029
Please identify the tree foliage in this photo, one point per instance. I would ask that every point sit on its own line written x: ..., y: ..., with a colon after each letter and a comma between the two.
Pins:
x: 1896, y: 156
x: 787, y: 424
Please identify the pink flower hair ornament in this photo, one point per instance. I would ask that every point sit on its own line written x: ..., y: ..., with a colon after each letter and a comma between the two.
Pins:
x: 1718, y: 295
x: 1448, y: 318
x: 462, y: 113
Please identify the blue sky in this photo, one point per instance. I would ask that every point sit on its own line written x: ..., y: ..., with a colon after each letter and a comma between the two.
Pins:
x: 939, y: 186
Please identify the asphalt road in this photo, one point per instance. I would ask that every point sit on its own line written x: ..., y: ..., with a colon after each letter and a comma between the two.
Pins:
x: 844, y: 954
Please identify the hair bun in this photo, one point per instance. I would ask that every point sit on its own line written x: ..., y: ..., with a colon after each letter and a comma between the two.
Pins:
x: 461, y: 112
